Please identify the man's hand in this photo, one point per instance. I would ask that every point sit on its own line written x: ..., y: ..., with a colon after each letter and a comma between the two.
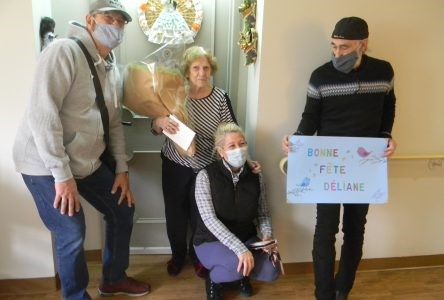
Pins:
x: 122, y: 181
x: 391, y: 147
x: 285, y: 144
x: 67, y: 197
x: 246, y: 263
x: 255, y: 166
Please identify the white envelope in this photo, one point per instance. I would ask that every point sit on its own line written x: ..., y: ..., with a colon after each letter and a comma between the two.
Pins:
x: 183, y: 137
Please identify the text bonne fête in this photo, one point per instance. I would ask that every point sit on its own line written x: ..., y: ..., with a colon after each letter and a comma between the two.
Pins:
x: 334, y: 170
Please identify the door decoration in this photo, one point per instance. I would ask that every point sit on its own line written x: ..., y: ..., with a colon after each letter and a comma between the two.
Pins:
x: 248, y: 35
x: 170, y: 21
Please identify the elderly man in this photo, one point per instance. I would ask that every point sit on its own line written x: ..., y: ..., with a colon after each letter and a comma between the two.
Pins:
x: 352, y: 95
x: 71, y: 126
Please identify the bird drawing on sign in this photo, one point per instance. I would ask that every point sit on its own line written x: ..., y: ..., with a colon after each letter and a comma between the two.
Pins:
x: 305, y: 182
x: 362, y: 152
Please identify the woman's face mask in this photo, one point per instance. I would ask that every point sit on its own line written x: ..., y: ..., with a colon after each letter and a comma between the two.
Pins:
x: 237, y: 157
x: 108, y: 35
x: 234, y: 150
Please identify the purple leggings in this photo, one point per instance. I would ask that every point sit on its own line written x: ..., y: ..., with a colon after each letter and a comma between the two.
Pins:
x: 222, y: 263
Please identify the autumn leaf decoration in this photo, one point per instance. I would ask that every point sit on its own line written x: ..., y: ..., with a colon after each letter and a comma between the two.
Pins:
x: 248, y: 35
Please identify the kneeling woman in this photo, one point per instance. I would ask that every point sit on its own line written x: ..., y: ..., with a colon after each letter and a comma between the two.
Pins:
x: 232, y: 204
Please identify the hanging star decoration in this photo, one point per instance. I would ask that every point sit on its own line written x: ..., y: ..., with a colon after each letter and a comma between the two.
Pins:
x: 248, y: 35
x: 170, y: 21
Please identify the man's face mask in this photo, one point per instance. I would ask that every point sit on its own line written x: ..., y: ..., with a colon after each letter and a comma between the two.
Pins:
x: 345, y: 63
x: 108, y: 35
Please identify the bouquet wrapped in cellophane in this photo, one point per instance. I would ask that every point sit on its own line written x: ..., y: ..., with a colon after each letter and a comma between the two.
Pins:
x: 155, y: 87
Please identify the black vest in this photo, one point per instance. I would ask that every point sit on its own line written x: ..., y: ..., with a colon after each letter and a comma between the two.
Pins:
x: 236, y: 207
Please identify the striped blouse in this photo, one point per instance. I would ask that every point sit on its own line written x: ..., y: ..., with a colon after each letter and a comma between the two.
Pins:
x: 204, y: 116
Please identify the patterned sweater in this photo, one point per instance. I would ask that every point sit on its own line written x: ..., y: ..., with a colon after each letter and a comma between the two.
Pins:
x: 358, y: 104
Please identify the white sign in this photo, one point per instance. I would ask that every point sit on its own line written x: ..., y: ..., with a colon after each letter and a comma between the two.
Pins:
x: 336, y: 170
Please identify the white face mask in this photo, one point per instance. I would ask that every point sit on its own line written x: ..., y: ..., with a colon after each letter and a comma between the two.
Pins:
x: 237, y: 157
x: 108, y: 35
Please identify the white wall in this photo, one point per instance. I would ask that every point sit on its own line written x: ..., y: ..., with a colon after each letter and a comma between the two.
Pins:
x: 25, y: 250
x: 295, y: 40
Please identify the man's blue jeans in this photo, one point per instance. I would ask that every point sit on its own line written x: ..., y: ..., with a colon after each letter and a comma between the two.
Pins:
x: 69, y: 232
x: 324, y: 254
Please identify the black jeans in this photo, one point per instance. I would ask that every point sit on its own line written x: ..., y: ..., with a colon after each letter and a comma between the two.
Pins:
x: 180, y: 208
x: 324, y: 254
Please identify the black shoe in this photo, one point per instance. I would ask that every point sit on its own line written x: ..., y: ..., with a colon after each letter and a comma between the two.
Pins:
x: 245, y: 287
x: 341, y: 295
x: 214, y: 290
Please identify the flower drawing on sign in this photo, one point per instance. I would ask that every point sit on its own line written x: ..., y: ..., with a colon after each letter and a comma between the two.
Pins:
x: 170, y: 21
x: 296, y: 146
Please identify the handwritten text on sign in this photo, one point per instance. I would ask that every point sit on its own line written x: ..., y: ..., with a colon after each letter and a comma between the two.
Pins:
x: 336, y: 170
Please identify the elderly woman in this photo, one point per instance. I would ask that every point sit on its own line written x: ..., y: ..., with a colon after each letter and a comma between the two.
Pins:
x: 207, y: 106
x: 231, y: 203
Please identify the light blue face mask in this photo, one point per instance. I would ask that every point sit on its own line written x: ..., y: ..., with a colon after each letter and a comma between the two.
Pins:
x: 237, y: 157
x: 108, y: 35
x: 345, y: 63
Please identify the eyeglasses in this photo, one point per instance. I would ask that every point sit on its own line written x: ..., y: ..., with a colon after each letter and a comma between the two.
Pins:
x: 111, y: 19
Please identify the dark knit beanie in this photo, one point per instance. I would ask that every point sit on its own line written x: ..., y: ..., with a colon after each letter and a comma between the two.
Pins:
x: 350, y: 28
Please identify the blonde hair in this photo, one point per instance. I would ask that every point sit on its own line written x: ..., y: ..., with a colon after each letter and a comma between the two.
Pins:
x: 222, y: 130
x: 193, y: 53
